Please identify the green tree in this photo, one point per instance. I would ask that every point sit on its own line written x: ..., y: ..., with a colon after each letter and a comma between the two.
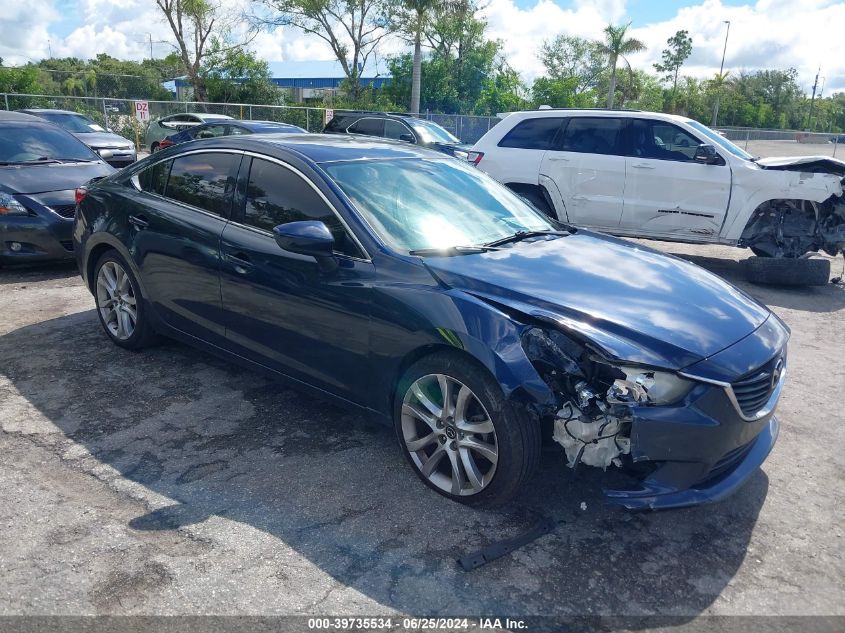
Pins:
x: 680, y: 48
x: 196, y: 24
x: 23, y: 79
x: 235, y: 75
x: 353, y: 29
x: 576, y: 60
x: 617, y: 46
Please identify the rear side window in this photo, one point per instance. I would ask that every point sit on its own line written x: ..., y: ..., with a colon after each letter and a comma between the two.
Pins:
x: 204, y: 180
x: 592, y: 135
x: 370, y: 127
x: 153, y: 179
x: 276, y: 195
x: 536, y: 133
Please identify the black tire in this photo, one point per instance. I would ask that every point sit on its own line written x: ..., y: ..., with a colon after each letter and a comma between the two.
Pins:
x: 758, y: 252
x: 811, y: 271
x: 517, y: 436
x: 536, y: 198
x: 154, y: 147
x: 143, y: 334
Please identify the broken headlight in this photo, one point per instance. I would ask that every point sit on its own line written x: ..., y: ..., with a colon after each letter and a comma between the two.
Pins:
x: 647, y: 386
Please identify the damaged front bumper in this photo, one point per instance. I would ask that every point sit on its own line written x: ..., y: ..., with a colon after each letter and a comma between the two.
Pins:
x: 699, y: 447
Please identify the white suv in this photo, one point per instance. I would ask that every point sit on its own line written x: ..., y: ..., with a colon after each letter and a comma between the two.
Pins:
x: 661, y: 176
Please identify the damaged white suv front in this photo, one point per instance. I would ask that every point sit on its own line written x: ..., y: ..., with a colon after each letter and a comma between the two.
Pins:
x: 666, y: 177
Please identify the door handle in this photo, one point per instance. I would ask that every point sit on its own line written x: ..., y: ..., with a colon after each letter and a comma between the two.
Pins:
x: 140, y: 222
x: 558, y: 159
x: 642, y: 166
x: 240, y: 261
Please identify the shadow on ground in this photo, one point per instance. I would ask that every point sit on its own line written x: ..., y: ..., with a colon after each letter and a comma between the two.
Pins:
x: 220, y: 440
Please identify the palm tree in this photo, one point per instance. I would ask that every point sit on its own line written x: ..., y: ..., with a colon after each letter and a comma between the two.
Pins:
x: 616, y: 46
x: 415, y: 18
x: 718, y: 83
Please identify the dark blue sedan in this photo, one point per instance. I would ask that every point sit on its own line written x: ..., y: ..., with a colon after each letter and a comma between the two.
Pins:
x: 226, y: 128
x: 417, y: 289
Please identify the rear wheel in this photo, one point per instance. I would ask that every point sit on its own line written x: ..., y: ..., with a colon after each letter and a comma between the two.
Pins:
x: 154, y: 148
x: 120, y: 306
x: 460, y: 435
x: 536, y: 198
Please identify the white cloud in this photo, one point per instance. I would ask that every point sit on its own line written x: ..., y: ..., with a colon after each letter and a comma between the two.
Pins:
x: 765, y: 34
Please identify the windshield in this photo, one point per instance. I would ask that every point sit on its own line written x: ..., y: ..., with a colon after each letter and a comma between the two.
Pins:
x: 432, y: 133
x: 720, y: 140
x: 26, y: 143
x: 431, y: 203
x: 75, y: 123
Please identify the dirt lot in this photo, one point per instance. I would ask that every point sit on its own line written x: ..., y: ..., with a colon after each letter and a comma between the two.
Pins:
x: 170, y: 482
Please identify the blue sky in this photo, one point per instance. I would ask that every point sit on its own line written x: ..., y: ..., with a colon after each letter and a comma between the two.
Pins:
x: 764, y: 33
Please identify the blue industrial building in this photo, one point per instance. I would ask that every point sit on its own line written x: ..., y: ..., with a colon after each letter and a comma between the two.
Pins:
x: 305, y: 80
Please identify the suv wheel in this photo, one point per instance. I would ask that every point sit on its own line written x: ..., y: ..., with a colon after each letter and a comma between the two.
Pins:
x: 460, y: 435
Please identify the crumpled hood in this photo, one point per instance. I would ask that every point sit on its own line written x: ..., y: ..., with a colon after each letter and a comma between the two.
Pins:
x: 31, y: 179
x: 824, y: 164
x: 103, y: 140
x: 632, y: 302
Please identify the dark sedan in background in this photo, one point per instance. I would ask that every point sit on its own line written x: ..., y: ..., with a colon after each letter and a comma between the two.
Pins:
x: 410, y: 285
x: 399, y: 127
x: 41, y: 166
x: 112, y: 148
x: 229, y: 128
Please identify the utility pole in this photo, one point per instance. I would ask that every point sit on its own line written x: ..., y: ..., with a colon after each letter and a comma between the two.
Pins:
x: 813, y: 99
x: 50, y: 48
x: 721, y: 79
x: 151, y: 46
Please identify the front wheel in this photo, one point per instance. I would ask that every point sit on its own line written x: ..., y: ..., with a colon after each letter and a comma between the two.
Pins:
x: 120, y: 305
x: 460, y: 435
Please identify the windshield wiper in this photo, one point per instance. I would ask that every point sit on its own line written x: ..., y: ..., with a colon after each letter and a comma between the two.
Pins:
x: 452, y: 250
x: 522, y: 235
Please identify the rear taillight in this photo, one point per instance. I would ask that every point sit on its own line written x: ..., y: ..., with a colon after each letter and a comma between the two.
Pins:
x: 475, y: 157
x: 165, y: 143
x: 79, y: 194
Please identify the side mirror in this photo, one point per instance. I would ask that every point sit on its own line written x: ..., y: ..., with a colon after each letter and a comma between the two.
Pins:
x: 308, y: 238
x: 408, y: 138
x: 706, y: 154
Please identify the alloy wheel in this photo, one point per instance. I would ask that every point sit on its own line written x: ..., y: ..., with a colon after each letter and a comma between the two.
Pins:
x: 116, y: 300
x: 449, y: 435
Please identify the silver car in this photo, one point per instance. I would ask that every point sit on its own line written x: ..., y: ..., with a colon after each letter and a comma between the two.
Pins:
x: 174, y: 123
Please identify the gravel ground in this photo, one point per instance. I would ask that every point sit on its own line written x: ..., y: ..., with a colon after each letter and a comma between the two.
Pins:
x: 171, y: 482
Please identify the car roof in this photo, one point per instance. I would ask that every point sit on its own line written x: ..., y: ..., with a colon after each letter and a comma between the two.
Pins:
x: 596, y: 112
x: 50, y: 111
x: 19, y: 116
x: 251, y: 124
x: 319, y: 148
x: 396, y: 116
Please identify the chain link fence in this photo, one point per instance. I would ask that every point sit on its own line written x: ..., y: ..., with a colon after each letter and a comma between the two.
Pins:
x: 118, y: 115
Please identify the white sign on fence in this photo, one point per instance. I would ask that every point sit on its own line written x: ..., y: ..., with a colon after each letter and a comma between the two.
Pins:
x: 329, y: 116
x: 142, y: 110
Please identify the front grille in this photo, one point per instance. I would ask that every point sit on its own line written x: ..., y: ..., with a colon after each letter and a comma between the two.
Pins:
x: 754, y: 390
x: 67, y: 245
x: 65, y: 210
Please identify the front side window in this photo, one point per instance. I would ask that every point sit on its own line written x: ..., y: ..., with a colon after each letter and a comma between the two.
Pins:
x: 370, y: 127
x: 662, y: 141
x: 205, y: 181
x: 433, y: 203
x: 592, y: 135
x: 537, y: 133
x: 395, y: 130
x: 276, y: 195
